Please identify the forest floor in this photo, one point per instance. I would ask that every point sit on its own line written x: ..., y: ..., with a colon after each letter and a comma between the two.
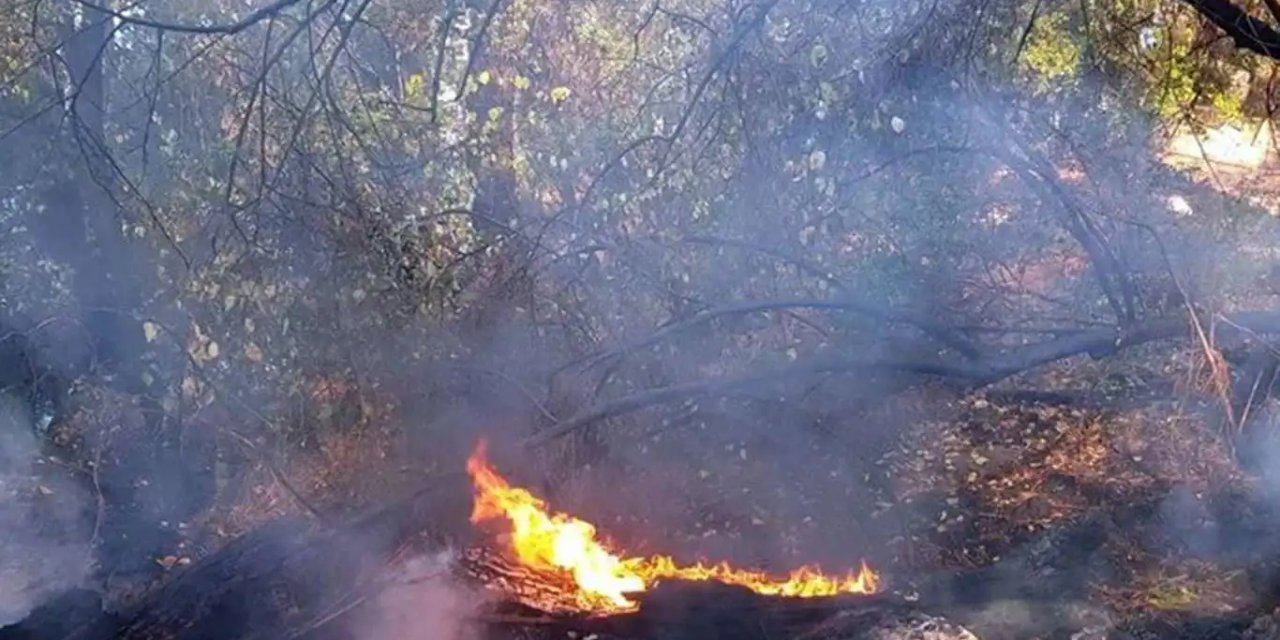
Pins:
x: 1174, y: 525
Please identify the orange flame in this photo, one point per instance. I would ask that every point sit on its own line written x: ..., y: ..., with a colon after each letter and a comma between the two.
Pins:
x: 558, y: 544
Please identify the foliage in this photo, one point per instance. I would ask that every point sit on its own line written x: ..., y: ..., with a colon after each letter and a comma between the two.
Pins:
x: 1051, y: 50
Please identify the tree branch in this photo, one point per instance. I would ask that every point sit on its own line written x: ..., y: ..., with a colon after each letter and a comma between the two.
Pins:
x: 269, y: 11
x: 942, y: 333
x: 964, y: 375
x: 1247, y: 31
x: 1274, y: 7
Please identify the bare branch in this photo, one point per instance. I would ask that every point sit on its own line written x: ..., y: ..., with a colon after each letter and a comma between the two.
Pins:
x: 269, y: 11
x: 943, y: 333
x: 477, y: 49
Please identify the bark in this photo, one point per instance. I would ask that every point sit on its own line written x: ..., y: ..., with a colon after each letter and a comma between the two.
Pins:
x: 83, y: 225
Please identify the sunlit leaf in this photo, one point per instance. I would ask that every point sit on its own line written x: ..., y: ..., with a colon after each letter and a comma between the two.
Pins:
x: 413, y: 85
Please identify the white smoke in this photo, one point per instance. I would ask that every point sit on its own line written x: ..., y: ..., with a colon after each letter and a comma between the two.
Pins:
x: 424, y: 602
x: 43, y: 539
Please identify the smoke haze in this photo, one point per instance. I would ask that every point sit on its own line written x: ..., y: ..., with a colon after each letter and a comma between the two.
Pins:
x: 44, y: 519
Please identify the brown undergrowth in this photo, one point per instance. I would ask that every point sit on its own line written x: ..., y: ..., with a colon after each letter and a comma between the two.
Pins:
x: 971, y: 490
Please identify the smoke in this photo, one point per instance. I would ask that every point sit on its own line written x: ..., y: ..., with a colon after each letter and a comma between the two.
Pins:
x: 424, y: 602
x: 766, y: 477
x: 43, y: 549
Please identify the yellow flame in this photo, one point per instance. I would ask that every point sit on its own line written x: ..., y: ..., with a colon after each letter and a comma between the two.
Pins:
x: 558, y: 544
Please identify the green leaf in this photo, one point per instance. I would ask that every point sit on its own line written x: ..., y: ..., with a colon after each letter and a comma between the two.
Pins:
x: 413, y: 85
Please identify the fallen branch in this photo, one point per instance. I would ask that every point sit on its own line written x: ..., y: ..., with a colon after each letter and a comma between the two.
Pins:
x: 965, y: 375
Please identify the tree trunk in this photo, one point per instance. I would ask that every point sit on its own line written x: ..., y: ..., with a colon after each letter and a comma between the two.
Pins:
x: 83, y: 229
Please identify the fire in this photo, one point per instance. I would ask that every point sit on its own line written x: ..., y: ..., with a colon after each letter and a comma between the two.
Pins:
x: 565, y: 548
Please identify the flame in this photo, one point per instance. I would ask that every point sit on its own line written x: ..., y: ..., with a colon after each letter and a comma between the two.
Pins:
x: 565, y: 548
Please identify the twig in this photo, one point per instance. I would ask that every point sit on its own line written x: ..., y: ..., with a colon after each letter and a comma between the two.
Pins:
x: 476, y: 49
x: 1026, y: 33
x: 275, y: 474
x: 941, y: 332
x: 25, y: 332
x: 100, y: 499
x: 320, y: 622
x: 537, y: 404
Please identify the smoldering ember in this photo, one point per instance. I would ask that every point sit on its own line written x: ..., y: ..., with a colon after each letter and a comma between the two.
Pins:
x: 655, y: 320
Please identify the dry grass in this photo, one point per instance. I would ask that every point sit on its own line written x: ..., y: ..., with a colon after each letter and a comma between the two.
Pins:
x: 1188, y: 586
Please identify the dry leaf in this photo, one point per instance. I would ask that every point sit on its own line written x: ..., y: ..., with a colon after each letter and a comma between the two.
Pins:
x: 253, y: 352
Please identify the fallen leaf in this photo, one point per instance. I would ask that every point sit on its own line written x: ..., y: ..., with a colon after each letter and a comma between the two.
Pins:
x: 253, y: 352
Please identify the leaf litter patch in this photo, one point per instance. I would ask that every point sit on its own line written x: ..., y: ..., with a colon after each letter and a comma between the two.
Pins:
x: 1000, y: 475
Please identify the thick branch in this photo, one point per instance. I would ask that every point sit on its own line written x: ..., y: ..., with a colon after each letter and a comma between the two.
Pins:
x: 1247, y: 31
x: 1273, y: 6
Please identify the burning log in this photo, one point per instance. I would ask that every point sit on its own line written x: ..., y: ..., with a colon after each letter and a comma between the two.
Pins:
x: 561, y: 553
